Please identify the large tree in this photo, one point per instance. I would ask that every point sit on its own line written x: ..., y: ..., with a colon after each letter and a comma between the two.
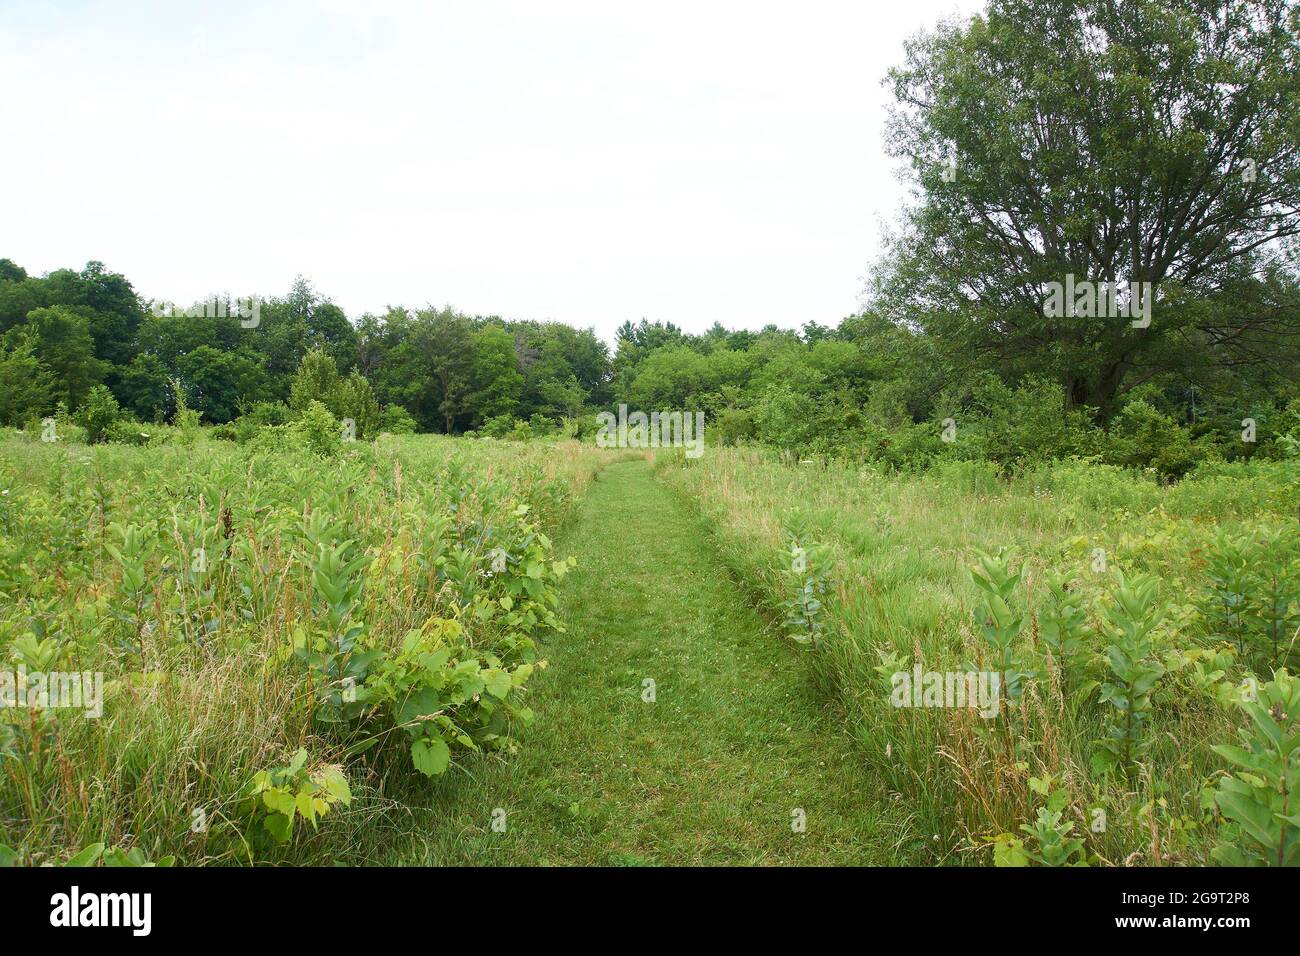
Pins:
x: 1133, y: 140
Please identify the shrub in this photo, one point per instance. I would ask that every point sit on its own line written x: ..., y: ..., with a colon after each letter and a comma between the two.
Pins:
x: 1010, y: 426
x: 1000, y: 620
x: 355, y: 399
x: 185, y: 419
x: 279, y: 796
x: 127, y: 431
x: 396, y: 420
x: 499, y: 426
x: 540, y: 426
x: 733, y: 426
x: 98, y: 414
x: 1141, y: 437
x: 318, y: 430
x: 258, y: 416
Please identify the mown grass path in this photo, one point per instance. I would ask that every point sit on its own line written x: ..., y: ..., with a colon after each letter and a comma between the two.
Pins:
x: 712, y: 771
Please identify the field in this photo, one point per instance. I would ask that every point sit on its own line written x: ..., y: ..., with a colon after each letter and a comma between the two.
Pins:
x: 434, y: 650
x: 886, y: 564
x: 245, y: 608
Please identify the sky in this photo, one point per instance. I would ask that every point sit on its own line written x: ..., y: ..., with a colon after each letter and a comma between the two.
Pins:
x: 586, y: 163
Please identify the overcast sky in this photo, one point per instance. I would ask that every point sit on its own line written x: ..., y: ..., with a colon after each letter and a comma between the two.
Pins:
x: 583, y: 162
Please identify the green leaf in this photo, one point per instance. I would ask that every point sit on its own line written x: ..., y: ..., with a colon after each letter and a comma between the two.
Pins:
x: 305, y: 809
x: 1252, y: 817
x: 279, y: 800
x: 337, y: 786
x: 279, y: 826
x: 496, y: 682
x: 430, y: 756
x: 88, y: 856
x: 1009, y: 851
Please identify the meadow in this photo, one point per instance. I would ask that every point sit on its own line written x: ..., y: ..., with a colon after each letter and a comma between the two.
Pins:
x: 1137, y: 627
x: 285, y: 638
x: 332, y: 657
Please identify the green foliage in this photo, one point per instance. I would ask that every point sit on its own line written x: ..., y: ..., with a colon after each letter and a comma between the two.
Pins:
x: 1063, y: 627
x: 1129, y: 622
x: 330, y: 650
x: 184, y: 418
x: 1261, y: 797
x: 133, y: 554
x: 1024, y: 144
x: 1253, y: 593
x: 1142, y: 437
x: 1025, y: 424
x: 242, y: 600
x: 1048, y: 840
x: 317, y: 380
x: 91, y: 855
x: 61, y: 339
x: 497, y: 381
x: 125, y: 431
x: 317, y: 430
x: 396, y: 420
x: 27, y: 387
x: 278, y: 797
x: 99, y: 414
x: 1273, y: 613
x: 446, y: 696
x: 1000, y: 621
x: 807, y: 576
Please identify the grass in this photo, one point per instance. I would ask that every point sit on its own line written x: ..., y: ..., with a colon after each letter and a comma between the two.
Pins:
x: 202, y: 689
x: 682, y: 568
x: 898, y: 550
x: 711, y: 772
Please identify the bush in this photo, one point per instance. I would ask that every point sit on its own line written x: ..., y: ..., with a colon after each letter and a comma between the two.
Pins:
x: 99, y: 414
x: 1029, y: 423
x: 499, y: 426
x: 733, y: 426
x: 355, y: 399
x: 258, y: 416
x: 540, y: 426
x: 1142, y: 437
x: 127, y: 431
x: 318, y: 430
x: 396, y: 420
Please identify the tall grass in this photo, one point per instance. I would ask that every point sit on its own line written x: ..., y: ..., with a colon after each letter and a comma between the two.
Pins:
x: 185, y: 574
x: 898, y: 551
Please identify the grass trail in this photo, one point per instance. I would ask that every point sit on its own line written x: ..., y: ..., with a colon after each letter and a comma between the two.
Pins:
x: 709, y: 773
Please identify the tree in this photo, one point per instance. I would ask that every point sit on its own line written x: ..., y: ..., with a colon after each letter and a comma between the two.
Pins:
x: 290, y: 327
x: 444, y: 340
x: 62, y: 341
x: 219, y: 382
x: 1152, y: 142
x: 143, y: 388
x: 498, y: 383
x: 317, y: 380
x: 355, y: 400
x: 98, y: 414
x: 27, y: 388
